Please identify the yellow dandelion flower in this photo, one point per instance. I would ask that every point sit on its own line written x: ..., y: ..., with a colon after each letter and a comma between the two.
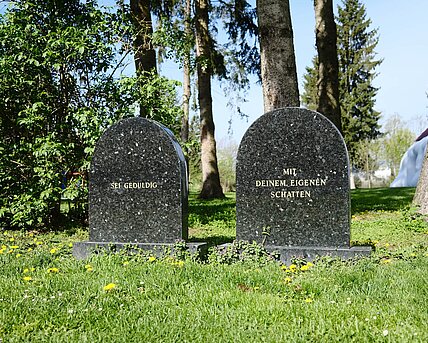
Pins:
x: 11, y: 239
x: 14, y: 246
x: 287, y: 280
x: 387, y: 245
x: 308, y: 300
x: 309, y: 264
x: 53, y: 251
x: 152, y: 258
x: 70, y: 245
x: 89, y: 269
x: 53, y: 270
x: 27, y: 278
x: 32, y: 269
x: 39, y: 243
x: 284, y: 267
x: 179, y: 264
x: 109, y: 287
x: 304, y: 268
x: 4, y: 247
x: 30, y: 249
x: 1, y: 251
x: 18, y: 255
x: 88, y: 266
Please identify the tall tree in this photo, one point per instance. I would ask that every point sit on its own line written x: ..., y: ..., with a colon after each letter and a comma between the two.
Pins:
x: 356, y: 51
x: 211, y: 187
x: 187, y: 88
x: 278, y: 62
x: 328, y: 65
x: 356, y: 44
x: 144, y: 52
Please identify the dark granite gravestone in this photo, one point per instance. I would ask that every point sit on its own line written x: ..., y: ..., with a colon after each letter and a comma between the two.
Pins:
x: 138, y: 189
x: 292, y: 187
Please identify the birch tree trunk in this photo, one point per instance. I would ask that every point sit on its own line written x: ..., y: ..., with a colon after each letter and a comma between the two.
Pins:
x: 328, y: 67
x: 421, y: 194
x: 211, y: 187
x: 278, y: 62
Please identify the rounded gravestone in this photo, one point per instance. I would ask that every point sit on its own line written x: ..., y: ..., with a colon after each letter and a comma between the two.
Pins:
x: 138, y: 185
x: 293, y: 182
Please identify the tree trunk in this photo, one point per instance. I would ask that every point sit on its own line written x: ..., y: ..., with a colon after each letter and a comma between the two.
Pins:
x: 421, y: 194
x: 211, y: 187
x: 187, y: 91
x: 144, y: 53
x: 278, y: 62
x: 328, y: 66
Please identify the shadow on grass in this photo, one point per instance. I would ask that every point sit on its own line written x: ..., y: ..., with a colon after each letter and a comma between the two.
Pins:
x: 380, y: 199
x: 212, y: 220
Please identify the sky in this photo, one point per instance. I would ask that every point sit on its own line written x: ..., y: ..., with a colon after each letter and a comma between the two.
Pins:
x: 402, y: 76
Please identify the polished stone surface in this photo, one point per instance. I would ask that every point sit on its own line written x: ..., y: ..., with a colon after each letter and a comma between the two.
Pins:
x: 138, y: 185
x: 293, y: 183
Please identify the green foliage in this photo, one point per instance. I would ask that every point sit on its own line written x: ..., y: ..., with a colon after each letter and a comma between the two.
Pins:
x: 226, y: 156
x: 58, y: 92
x: 56, y: 95
x: 310, y: 88
x: 397, y: 140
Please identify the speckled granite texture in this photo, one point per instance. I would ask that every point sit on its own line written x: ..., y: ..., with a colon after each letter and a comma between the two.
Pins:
x: 293, y: 182
x: 138, y: 185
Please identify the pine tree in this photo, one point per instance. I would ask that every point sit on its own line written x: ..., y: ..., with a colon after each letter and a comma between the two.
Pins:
x: 357, y: 63
x: 356, y: 43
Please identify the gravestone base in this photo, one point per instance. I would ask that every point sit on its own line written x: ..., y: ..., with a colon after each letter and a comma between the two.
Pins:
x: 286, y: 254
x: 82, y: 250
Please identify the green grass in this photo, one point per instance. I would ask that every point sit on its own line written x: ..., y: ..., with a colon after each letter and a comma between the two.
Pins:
x: 378, y: 299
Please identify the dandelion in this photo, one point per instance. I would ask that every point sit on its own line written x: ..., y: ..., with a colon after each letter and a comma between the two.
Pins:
x: 284, y: 267
x: 70, y: 245
x: 308, y: 300
x: 14, y: 247
x: 109, y: 287
x: 152, y: 258
x: 53, y: 270
x: 387, y: 245
x: 27, y: 278
x: 30, y: 249
x: 53, y: 251
x: 304, y: 268
x: 39, y: 243
x: 18, y: 255
x: 11, y: 239
x: 26, y: 270
x: 287, y: 280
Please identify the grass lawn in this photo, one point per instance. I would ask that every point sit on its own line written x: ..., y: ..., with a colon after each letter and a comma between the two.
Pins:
x: 48, y: 296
